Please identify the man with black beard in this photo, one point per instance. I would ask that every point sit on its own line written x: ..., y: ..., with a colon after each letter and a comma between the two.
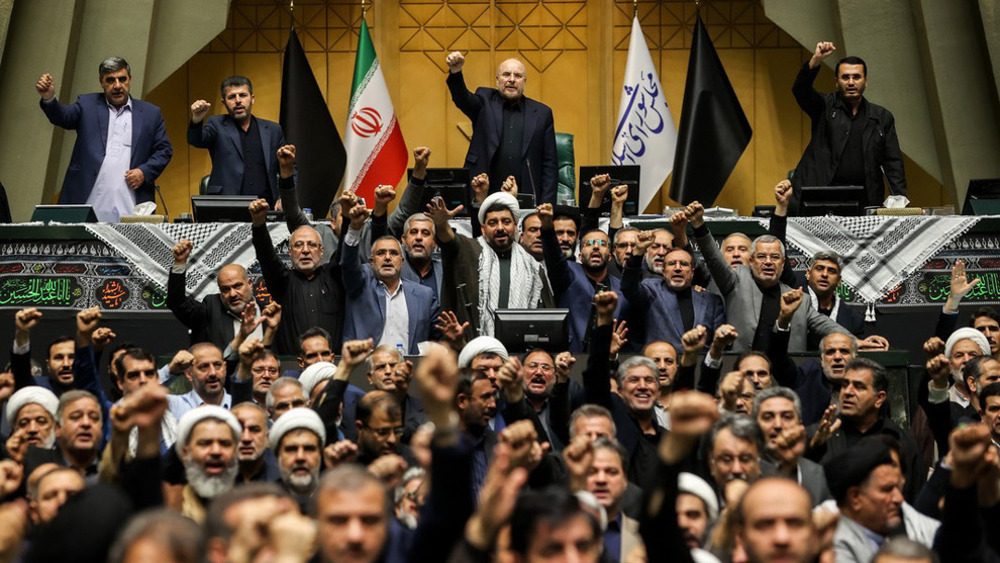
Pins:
x: 206, y: 443
x: 297, y: 439
x: 574, y: 284
x: 476, y: 403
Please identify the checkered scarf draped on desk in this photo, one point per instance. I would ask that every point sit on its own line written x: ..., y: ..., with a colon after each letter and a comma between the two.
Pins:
x: 150, y: 248
x: 879, y: 252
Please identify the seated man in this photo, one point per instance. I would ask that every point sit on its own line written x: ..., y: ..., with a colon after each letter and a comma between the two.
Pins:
x: 380, y: 304
x: 216, y: 318
x: 668, y: 305
x: 494, y: 271
x: 753, y: 294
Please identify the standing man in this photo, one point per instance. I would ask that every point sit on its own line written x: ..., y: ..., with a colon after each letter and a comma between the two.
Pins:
x: 121, y: 143
x: 242, y: 146
x: 512, y: 135
x: 870, y: 146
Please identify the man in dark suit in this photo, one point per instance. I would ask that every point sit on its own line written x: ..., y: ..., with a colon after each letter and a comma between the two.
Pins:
x: 822, y: 280
x: 777, y: 411
x: 121, y: 143
x: 242, y: 146
x: 668, y: 305
x: 511, y: 135
x: 216, y: 318
x: 380, y: 305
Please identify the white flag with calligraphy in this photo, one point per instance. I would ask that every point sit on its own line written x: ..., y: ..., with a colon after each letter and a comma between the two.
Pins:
x: 645, y: 133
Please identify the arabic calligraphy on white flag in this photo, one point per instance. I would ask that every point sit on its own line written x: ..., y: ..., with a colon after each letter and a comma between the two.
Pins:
x: 645, y: 133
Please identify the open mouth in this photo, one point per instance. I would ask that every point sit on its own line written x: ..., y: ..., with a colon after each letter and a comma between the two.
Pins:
x: 214, y: 467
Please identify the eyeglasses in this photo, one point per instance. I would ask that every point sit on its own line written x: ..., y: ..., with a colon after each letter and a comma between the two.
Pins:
x: 385, y: 432
x: 262, y: 369
x: 595, y: 242
x: 311, y: 244
x: 538, y: 366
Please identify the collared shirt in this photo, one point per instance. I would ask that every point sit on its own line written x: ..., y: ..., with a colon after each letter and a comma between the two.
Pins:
x: 396, y: 332
x: 814, y: 300
x: 957, y: 397
x: 255, y: 181
x: 876, y: 540
x: 111, y: 196
x: 180, y: 404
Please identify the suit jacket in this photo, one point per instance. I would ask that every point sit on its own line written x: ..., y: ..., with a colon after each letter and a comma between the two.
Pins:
x: 744, y: 298
x: 811, y: 477
x: 208, y: 320
x: 221, y: 136
x: 409, y: 274
x: 365, y: 316
x: 573, y: 290
x: 657, y: 304
x: 485, y: 109
x: 151, y: 149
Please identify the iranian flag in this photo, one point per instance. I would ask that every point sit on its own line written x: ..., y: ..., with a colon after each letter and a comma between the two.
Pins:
x: 376, y: 152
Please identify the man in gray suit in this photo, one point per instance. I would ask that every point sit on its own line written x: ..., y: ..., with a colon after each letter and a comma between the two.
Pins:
x: 753, y: 293
x: 777, y: 411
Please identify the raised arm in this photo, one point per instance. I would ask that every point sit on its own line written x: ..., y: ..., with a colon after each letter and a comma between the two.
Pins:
x: 805, y: 94
x: 469, y: 103
x: 723, y: 275
x: 409, y: 202
x: 596, y: 382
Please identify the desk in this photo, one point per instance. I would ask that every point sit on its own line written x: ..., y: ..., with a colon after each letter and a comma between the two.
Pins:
x: 124, y: 267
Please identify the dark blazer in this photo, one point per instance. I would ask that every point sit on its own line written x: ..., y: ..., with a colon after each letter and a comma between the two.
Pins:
x: 830, y: 117
x: 221, y: 136
x: 409, y: 274
x: 657, y: 304
x: 365, y: 316
x: 573, y: 290
x: 812, y: 475
x: 208, y: 320
x: 151, y: 149
x: 485, y: 109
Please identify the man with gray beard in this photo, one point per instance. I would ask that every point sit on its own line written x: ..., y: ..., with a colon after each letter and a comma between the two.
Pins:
x: 206, y: 443
x: 297, y: 438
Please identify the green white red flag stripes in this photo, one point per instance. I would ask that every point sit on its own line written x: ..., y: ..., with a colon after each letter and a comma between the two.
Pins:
x: 376, y: 152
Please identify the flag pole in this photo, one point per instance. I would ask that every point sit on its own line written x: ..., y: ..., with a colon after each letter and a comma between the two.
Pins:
x: 364, y: 9
x: 635, y: 8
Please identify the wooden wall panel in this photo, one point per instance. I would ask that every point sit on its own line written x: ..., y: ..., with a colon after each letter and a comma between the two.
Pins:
x: 575, y: 52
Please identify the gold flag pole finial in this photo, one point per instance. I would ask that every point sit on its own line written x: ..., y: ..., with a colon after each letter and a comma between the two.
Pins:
x: 364, y: 9
x: 635, y: 8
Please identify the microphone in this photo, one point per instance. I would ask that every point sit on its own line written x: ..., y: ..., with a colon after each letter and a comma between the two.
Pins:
x: 166, y: 213
x: 463, y: 298
x: 531, y: 179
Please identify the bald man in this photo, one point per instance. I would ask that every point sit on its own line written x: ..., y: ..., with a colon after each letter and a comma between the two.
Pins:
x: 216, y: 318
x: 512, y: 135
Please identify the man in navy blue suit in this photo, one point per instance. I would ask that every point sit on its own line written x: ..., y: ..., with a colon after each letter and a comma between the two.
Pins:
x: 380, y: 304
x: 242, y: 146
x: 669, y: 304
x: 512, y: 135
x: 121, y: 143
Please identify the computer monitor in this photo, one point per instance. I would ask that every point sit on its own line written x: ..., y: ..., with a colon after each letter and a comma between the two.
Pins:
x: 846, y: 201
x: 521, y: 330
x: 451, y: 184
x: 70, y: 213
x: 982, y: 197
x: 221, y: 209
x: 627, y: 174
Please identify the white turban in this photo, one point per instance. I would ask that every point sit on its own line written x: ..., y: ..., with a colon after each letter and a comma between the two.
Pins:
x: 314, y: 374
x: 481, y: 345
x: 191, y: 418
x: 967, y: 333
x: 295, y: 419
x: 693, y: 485
x: 504, y: 199
x: 28, y: 395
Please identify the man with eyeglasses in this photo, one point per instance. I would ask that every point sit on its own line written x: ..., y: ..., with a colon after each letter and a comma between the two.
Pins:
x: 733, y: 454
x: 623, y: 242
x: 310, y: 293
x: 380, y: 304
x: 264, y: 370
x: 753, y: 293
x: 389, y: 371
x: 575, y: 283
x: 380, y: 428
x: 668, y: 306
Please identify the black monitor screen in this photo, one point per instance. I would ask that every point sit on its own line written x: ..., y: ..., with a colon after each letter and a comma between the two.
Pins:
x: 846, y: 201
x: 221, y: 209
x: 451, y: 184
x: 982, y: 197
x: 627, y: 174
x: 521, y: 330
x: 65, y: 213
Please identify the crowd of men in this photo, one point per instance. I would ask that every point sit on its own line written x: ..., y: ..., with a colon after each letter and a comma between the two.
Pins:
x: 454, y: 449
